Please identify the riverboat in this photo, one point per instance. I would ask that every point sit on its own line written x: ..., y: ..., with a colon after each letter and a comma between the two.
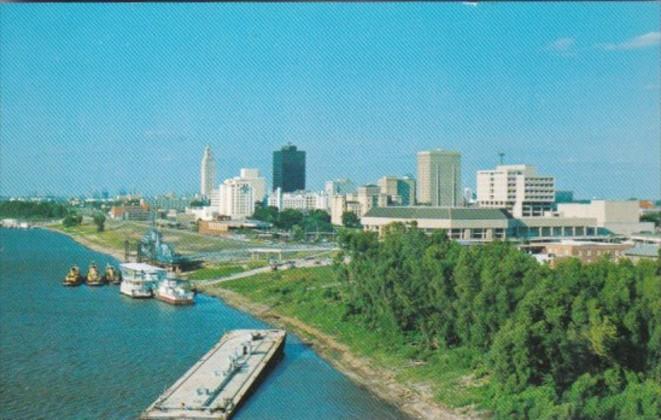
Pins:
x: 171, y: 291
x: 139, y: 279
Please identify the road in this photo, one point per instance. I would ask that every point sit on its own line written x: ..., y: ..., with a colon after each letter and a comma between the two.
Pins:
x: 299, y: 263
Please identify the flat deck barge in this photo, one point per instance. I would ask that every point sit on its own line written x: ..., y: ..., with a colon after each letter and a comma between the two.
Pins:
x: 219, y: 382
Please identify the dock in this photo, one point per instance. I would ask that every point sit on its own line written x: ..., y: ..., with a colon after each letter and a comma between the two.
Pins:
x: 222, y: 379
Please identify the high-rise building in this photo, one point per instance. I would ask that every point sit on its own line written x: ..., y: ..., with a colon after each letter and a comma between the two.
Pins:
x: 399, y: 191
x: 339, y: 186
x: 207, y: 173
x: 289, y: 169
x: 439, y: 178
x: 517, y: 188
x: 258, y: 182
x: 236, y: 198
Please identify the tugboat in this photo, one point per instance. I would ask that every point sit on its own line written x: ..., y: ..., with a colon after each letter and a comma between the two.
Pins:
x: 93, y: 276
x: 112, y: 275
x: 73, y: 277
x: 170, y: 291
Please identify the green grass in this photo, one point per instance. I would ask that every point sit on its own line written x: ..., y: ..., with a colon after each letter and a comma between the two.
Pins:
x: 312, y: 296
x: 222, y: 270
x: 116, y: 232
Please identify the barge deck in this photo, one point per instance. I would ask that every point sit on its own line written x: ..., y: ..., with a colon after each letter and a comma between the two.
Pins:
x: 222, y: 379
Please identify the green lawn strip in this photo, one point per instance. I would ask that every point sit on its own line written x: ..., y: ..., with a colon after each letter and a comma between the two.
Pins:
x: 301, y: 294
x: 222, y: 270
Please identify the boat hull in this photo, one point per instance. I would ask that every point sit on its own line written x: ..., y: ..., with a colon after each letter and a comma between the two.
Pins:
x: 95, y: 283
x: 138, y: 295
x: 66, y: 283
x: 174, y: 301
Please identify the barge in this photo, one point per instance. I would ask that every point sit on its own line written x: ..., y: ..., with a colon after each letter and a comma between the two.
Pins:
x: 222, y: 379
x: 139, y: 279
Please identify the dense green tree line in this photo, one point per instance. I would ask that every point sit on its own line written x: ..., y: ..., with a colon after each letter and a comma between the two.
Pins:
x: 32, y: 210
x: 295, y: 220
x: 576, y: 341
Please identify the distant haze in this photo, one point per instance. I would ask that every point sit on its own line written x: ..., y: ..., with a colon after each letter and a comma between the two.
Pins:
x: 110, y: 96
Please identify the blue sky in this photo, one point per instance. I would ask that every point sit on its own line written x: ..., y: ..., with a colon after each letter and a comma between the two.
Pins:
x: 127, y: 95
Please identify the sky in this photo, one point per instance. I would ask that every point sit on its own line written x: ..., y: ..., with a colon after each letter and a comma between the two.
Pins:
x: 126, y: 96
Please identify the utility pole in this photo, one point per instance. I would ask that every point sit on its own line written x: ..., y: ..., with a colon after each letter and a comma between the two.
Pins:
x: 501, y: 155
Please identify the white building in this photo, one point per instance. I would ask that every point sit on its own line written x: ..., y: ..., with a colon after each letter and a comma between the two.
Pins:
x: 237, y: 199
x: 439, y: 178
x: 341, y: 203
x: 256, y: 180
x: 618, y: 217
x: 299, y: 200
x: 359, y: 202
x: 517, y: 188
x: 203, y: 213
x: 207, y: 173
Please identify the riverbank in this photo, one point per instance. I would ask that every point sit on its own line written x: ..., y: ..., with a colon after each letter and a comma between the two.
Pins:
x: 414, y: 398
x: 94, y: 246
x: 415, y: 401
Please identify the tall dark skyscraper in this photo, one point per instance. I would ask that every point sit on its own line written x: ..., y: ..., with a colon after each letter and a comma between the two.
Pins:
x: 289, y: 169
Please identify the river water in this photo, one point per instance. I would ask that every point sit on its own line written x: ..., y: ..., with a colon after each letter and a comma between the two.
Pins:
x: 92, y: 353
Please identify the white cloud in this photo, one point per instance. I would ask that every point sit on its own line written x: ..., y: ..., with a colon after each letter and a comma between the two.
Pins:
x: 649, y: 39
x: 562, y: 44
x: 565, y: 47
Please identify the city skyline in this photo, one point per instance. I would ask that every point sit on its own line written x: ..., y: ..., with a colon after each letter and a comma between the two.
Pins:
x: 564, y: 98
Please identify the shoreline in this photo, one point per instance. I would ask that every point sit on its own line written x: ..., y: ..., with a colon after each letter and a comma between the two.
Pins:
x: 119, y: 256
x: 412, y: 401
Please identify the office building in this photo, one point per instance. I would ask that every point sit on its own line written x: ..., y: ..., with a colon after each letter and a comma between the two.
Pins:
x: 237, y: 199
x: 483, y: 224
x: 439, y: 178
x: 398, y: 191
x: 256, y: 180
x: 289, y: 169
x: 517, y: 188
x: 586, y: 251
x: 615, y: 217
x: 299, y: 200
x: 339, y: 186
x: 207, y: 173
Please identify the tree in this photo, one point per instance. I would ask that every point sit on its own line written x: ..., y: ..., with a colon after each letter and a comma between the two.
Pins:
x: 100, y: 221
x: 266, y: 214
x: 72, y: 219
x: 288, y: 218
x: 297, y: 233
x: 199, y: 203
x: 652, y: 217
x: 350, y: 220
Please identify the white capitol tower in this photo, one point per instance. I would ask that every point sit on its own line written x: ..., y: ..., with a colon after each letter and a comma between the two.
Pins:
x: 207, y: 173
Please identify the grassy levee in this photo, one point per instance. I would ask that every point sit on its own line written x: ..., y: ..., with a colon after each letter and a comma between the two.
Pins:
x: 311, y: 295
x: 115, y: 233
x: 213, y: 271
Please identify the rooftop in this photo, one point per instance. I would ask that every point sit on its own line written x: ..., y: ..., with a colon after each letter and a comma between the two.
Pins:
x: 141, y: 267
x: 457, y: 213
x: 643, y: 250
